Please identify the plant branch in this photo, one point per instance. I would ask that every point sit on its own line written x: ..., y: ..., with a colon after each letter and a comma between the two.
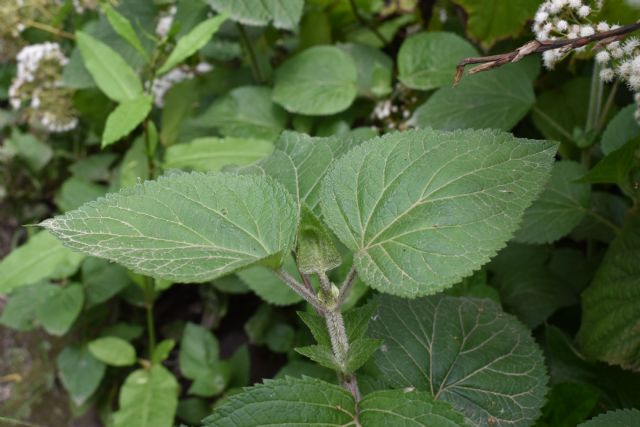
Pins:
x: 537, y: 46
x: 49, y: 29
x: 365, y: 23
x: 301, y: 290
x: 149, y: 297
x: 347, y: 285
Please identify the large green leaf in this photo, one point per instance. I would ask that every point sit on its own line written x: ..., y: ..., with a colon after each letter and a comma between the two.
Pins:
x: 19, y: 313
x: 148, y: 398
x: 42, y: 257
x: 284, y: 13
x: 493, y: 99
x: 246, y: 112
x: 199, y: 353
x: 319, y: 81
x: 76, y: 191
x: 611, y: 305
x: 299, y: 163
x: 79, y: 372
x: 492, y: 20
x: 109, y: 70
x: 465, y: 351
x: 428, y: 60
x: 113, y: 351
x: 308, y: 401
x: 560, y: 208
x: 212, y: 154
x: 57, y: 313
x: 192, y: 42
x: 423, y: 209
x: 621, y: 129
x: 125, y: 118
x: 375, y: 69
x: 620, y: 418
x: 185, y: 227
x: 268, y: 286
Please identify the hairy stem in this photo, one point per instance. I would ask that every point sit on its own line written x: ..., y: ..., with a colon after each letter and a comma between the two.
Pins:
x: 347, y: 285
x: 301, y: 290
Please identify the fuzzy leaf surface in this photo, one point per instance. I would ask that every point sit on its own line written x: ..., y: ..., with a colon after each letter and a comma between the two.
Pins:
x: 185, y: 227
x: 464, y: 351
x: 423, y: 209
x: 611, y: 304
x: 619, y: 418
x: 284, y: 13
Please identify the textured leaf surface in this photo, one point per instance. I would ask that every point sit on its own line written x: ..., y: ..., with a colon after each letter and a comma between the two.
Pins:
x: 148, y: 398
x: 125, y: 118
x: 212, y: 154
x: 185, y: 227
x: 428, y: 60
x: 464, y: 351
x: 246, y: 112
x: 192, y: 42
x: 284, y: 13
x: 42, y: 257
x: 79, y: 372
x: 611, y: 305
x: 492, y: 20
x: 494, y: 99
x: 308, y: 401
x: 319, y: 81
x: 113, y: 351
x: 560, y: 207
x: 422, y: 209
x: 620, y: 418
x: 109, y: 70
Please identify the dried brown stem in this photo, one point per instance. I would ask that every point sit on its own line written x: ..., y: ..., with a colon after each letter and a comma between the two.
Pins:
x: 536, y: 46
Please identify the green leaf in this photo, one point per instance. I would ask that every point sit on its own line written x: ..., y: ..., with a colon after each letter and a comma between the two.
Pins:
x: 113, y: 351
x: 199, y: 353
x: 212, y: 154
x: 19, y: 313
x: 284, y: 13
x: 492, y: 20
x: 375, y: 69
x: 619, y: 418
x: 611, y: 305
x: 616, y: 166
x: 621, y: 129
x: 464, y: 351
x: 125, y: 118
x: 148, y: 398
x: 76, y: 191
x: 162, y: 351
x: 321, y: 354
x: 319, y: 81
x: 103, y: 280
x: 406, y: 408
x: 192, y: 42
x: 185, y: 227
x: 123, y: 27
x: 42, y: 257
x: 79, y: 372
x: 559, y: 209
x: 423, y: 209
x: 134, y: 167
x: 58, y: 312
x: 494, y: 99
x: 109, y: 70
x: 360, y: 351
x: 268, y: 286
x: 246, y: 112
x: 35, y: 153
x: 315, y: 251
x: 568, y: 404
x: 299, y: 402
x: 428, y: 60
x: 317, y: 326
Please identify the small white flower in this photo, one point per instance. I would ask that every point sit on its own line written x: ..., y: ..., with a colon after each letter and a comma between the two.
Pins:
x: 602, y: 27
x: 562, y: 25
x: 607, y: 75
x: 586, y: 31
x: 541, y: 17
x: 584, y: 11
x: 603, y: 57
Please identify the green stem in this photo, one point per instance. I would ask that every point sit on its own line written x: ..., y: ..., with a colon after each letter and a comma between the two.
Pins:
x: 607, y: 107
x: 616, y: 229
x: 149, y: 298
x: 595, y: 98
x: 365, y: 23
x: 253, y: 59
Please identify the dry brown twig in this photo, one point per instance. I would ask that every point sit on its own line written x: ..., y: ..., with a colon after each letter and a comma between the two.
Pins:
x: 536, y: 46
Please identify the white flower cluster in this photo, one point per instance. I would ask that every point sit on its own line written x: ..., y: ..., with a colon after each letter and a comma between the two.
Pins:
x: 566, y: 19
x: 39, y: 81
x: 165, y: 22
x: 162, y: 85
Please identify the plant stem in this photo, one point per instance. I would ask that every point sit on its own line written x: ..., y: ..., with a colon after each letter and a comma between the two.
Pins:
x: 301, y: 290
x: 253, y: 59
x: 365, y: 23
x: 347, y: 285
x: 49, y: 29
x: 595, y: 98
x: 607, y: 107
x: 616, y: 229
x: 149, y: 297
